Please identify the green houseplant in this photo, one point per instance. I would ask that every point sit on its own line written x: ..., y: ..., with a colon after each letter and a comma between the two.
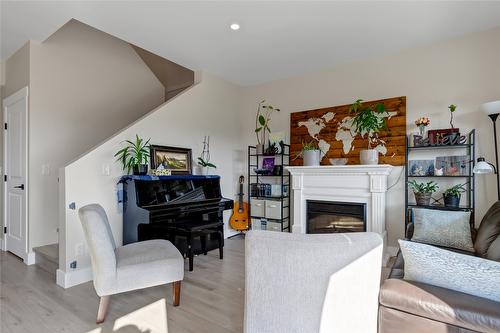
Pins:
x: 135, y: 156
x: 452, y: 109
x: 368, y: 121
x: 264, y: 112
x: 423, y: 191
x: 204, y: 159
x: 311, y: 153
x: 451, y: 196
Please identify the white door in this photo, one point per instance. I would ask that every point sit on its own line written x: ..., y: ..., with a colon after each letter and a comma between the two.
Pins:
x: 15, y: 171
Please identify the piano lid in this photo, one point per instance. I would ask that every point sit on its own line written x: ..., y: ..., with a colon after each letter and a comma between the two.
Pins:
x: 175, y: 190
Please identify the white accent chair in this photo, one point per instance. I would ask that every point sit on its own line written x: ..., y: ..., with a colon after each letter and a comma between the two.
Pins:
x: 130, y: 267
x: 312, y: 283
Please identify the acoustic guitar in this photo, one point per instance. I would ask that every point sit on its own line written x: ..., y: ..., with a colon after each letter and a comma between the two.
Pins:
x: 239, y: 219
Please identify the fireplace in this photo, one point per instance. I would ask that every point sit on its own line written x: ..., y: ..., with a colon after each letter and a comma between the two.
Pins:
x: 333, y: 216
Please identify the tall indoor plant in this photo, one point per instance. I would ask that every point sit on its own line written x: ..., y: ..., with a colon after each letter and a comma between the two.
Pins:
x: 368, y: 121
x: 264, y: 112
x: 135, y: 156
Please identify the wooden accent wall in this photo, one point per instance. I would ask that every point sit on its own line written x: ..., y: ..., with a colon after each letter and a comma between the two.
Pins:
x: 394, y: 136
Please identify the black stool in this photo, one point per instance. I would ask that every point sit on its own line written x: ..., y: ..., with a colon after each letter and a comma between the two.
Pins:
x: 191, y: 230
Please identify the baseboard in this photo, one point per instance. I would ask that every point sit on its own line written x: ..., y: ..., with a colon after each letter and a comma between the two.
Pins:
x: 73, y: 278
x: 30, y: 258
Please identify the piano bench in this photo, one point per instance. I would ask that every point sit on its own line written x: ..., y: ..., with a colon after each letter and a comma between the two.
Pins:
x: 193, y: 229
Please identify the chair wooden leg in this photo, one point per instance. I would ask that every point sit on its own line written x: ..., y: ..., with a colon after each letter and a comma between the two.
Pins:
x: 176, y: 292
x: 103, y: 309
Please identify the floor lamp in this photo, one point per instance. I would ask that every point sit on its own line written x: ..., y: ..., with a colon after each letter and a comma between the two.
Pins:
x: 492, y: 109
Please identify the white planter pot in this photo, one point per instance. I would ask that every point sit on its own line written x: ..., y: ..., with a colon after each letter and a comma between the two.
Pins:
x: 260, y: 149
x: 311, y: 157
x: 199, y: 170
x: 368, y: 156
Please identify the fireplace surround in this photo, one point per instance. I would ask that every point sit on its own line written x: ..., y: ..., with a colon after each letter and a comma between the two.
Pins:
x: 358, y: 184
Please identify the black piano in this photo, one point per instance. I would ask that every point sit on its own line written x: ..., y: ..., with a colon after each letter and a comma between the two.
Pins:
x: 152, y: 205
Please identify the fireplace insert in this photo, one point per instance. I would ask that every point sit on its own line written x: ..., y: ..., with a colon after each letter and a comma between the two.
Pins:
x: 331, y: 217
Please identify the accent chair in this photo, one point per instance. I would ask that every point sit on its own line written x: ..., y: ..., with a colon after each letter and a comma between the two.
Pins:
x: 130, y: 267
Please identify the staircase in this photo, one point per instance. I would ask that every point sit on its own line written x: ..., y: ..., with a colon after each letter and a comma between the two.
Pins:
x: 47, y: 258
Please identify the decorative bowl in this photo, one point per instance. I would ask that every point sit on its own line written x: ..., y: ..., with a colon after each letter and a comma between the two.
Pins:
x: 338, y: 161
x: 263, y: 171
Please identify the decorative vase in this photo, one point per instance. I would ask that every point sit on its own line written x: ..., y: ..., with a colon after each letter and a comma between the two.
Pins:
x: 368, y: 156
x: 260, y: 149
x: 423, y: 199
x: 451, y: 200
x: 140, y: 169
x: 421, y: 128
x: 311, y: 157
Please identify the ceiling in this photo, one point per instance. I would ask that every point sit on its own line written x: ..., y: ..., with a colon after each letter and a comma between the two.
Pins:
x: 277, y: 39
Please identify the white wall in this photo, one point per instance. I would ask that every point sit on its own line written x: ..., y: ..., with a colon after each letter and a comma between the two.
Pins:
x: 85, y: 85
x: 208, y: 108
x: 464, y: 71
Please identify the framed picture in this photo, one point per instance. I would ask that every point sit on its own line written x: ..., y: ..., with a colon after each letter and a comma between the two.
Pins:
x: 177, y: 160
x: 454, y: 165
x: 421, y: 167
x: 268, y: 164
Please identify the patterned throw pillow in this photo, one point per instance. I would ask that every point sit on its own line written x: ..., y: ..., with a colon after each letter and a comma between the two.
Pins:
x: 447, y: 269
x: 443, y: 228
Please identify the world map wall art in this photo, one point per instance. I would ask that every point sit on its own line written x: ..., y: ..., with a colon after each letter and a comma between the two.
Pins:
x: 331, y: 128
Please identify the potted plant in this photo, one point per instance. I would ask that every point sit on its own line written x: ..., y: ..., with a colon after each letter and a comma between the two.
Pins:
x: 311, y: 153
x: 368, y: 121
x: 262, y: 124
x: 455, y: 132
x: 135, y: 156
x: 204, y: 158
x: 452, y: 195
x: 423, y: 191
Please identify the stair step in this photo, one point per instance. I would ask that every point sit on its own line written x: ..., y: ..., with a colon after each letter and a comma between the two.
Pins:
x: 49, y: 252
x: 47, y: 257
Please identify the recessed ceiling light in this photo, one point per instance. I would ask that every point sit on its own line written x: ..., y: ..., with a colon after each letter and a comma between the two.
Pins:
x: 234, y: 26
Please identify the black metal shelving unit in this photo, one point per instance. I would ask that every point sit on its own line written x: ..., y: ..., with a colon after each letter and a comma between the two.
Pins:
x: 469, y: 147
x: 255, y: 161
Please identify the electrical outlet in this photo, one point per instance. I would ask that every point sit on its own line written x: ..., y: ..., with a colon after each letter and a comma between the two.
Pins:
x: 105, y: 170
x: 72, y: 264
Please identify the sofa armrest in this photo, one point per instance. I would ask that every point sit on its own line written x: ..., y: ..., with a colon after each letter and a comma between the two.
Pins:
x: 441, y: 304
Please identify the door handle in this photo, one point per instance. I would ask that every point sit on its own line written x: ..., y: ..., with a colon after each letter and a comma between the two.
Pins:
x: 20, y: 186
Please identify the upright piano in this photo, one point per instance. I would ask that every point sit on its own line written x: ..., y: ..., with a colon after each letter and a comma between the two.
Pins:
x: 152, y: 204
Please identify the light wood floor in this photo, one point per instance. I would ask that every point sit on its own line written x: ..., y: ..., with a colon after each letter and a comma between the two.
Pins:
x: 211, y: 300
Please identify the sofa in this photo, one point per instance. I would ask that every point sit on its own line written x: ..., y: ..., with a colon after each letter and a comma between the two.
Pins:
x: 412, y: 307
x: 310, y: 283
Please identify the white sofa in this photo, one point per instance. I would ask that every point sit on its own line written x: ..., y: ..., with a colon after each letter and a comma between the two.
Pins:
x: 312, y: 283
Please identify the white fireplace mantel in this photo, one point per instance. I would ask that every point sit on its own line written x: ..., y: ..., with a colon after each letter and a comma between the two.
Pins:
x: 365, y: 184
